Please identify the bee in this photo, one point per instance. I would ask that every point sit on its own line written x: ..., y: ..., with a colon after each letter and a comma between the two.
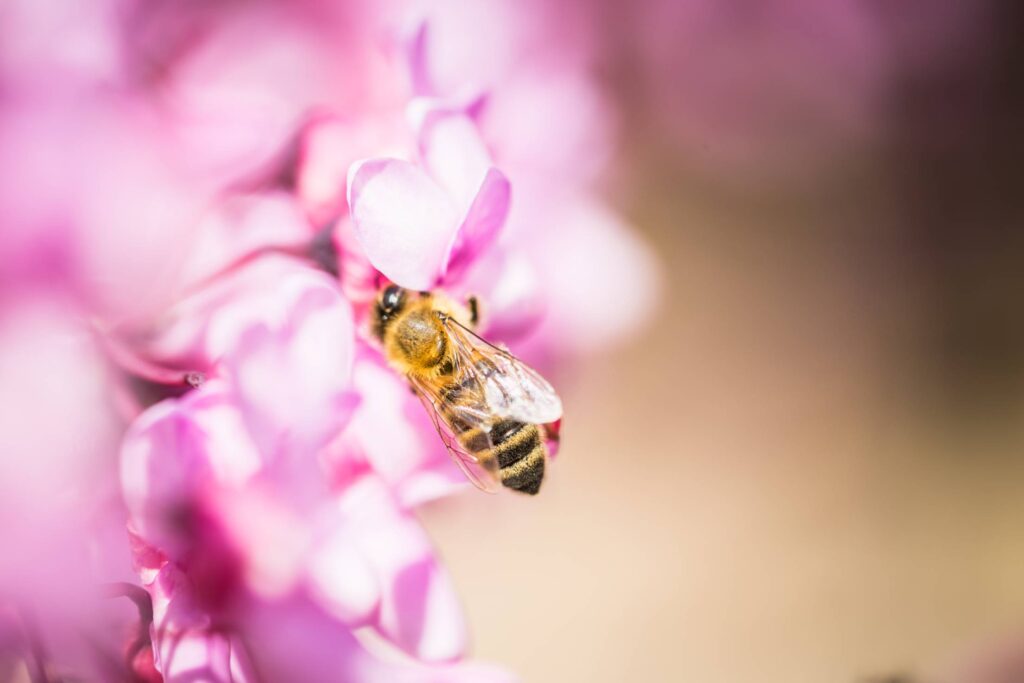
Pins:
x: 493, y: 413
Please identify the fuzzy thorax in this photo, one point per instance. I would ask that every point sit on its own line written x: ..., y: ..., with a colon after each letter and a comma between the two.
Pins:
x: 416, y: 341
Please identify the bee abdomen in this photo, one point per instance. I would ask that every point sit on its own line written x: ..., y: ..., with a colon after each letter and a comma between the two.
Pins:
x: 518, y: 449
x: 520, y: 454
x: 513, y: 441
x: 526, y: 475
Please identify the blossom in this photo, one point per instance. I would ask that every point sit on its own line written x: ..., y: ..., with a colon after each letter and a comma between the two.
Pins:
x: 785, y: 91
x: 235, y: 519
x: 188, y: 262
x: 419, y: 226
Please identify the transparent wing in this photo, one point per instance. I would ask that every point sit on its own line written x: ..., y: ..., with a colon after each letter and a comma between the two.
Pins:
x: 511, y: 389
x: 482, y: 471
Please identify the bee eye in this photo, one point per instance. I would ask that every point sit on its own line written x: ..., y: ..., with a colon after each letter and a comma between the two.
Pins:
x: 391, y: 299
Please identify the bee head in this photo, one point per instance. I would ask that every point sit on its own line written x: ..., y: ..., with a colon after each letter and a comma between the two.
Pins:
x: 390, y: 303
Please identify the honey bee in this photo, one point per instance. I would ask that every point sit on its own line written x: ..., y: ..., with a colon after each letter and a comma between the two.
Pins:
x: 492, y: 412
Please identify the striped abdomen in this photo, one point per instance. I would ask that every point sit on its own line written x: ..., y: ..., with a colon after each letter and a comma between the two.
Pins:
x: 516, y: 446
x: 519, y: 450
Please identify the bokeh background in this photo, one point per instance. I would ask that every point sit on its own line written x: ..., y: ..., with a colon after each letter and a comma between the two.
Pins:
x: 808, y: 466
x: 808, y: 463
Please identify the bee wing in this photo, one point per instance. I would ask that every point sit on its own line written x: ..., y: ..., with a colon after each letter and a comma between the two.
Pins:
x: 482, y: 472
x: 511, y: 389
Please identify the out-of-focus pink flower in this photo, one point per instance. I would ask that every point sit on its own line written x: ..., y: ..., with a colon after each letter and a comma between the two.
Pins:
x: 754, y: 86
x: 61, y: 525
x: 233, y: 82
x: 783, y: 91
x: 228, y: 486
x: 391, y: 434
x: 421, y: 225
x: 199, y: 203
x: 96, y: 201
x: 999, y: 660
x: 504, y: 246
x: 275, y: 640
x: 239, y: 539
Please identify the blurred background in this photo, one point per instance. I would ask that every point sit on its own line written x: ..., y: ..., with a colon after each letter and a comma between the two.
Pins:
x: 808, y: 467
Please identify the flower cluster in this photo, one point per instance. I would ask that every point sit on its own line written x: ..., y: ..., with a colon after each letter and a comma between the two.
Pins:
x: 200, y: 201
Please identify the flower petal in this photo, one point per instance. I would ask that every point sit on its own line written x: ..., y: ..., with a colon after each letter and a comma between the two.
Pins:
x: 482, y: 224
x: 414, y: 47
x: 578, y: 304
x: 328, y: 146
x: 294, y: 640
x: 291, y: 379
x: 187, y: 647
x: 419, y: 609
x: 453, y: 152
x: 240, y: 225
x: 341, y: 580
x: 173, y: 454
x: 403, y: 220
x: 392, y: 432
x: 507, y: 282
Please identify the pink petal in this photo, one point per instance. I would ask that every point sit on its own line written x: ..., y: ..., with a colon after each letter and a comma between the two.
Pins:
x: 173, y: 452
x: 328, y: 146
x: 419, y: 610
x: 620, y: 274
x: 243, y: 88
x: 269, y: 540
x: 404, y: 221
x: 327, y: 149
x: 186, y: 644
x: 483, y: 222
x: 457, y: 157
x: 415, y: 49
x: 341, y: 580
x: 161, y: 462
x: 454, y: 153
x: 294, y: 640
x: 393, y: 433
x: 291, y: 378
x: 199, y: 330
x: 241, y: 225
x: 527, y: 125
x: 56, y: 430
x: 512, y: 297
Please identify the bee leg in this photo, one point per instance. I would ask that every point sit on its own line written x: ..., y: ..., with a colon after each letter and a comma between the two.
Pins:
x: 474, y: 311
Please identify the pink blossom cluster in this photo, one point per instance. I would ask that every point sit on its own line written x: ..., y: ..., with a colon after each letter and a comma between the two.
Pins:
x: 207, y: 471
x: 783, y: 92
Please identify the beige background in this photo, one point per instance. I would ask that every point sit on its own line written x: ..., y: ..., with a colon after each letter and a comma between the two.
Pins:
x: 771, y: 484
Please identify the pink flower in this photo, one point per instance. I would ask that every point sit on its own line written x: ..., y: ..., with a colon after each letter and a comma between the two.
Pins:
x: 61, y: 524
x: 241, y: 541
x: 391, y: 434
x: 200, y: 203
x: 228, y: 486
x: 292, y: 639
x: 448, y: 218
x: 113, y: 233
x: 421, y: 226
x: 784, y: 90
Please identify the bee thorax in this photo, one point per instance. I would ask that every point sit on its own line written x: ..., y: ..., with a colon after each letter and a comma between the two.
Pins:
x: 418, y: 339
